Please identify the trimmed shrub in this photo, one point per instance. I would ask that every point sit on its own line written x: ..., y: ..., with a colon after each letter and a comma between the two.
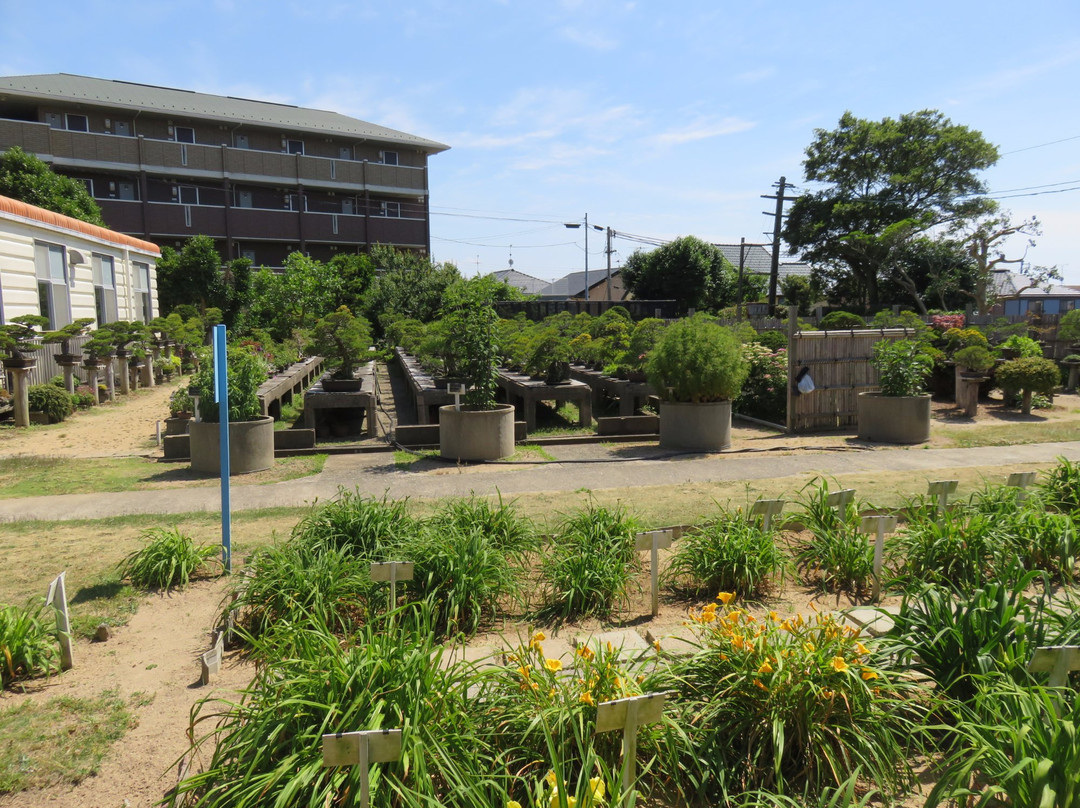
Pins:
x: 841, y: 321
x: 52, y: 400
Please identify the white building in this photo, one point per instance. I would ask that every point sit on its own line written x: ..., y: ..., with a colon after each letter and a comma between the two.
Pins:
x: 66, y: 269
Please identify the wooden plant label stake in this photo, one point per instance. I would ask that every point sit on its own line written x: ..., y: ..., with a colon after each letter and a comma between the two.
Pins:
x: 941, y: 489
x: 1021, y: 480
x: 392, y: 571
x: 879, y: 525
x: 57, y: 598
x: 362, y: 749
x: 767, y: 509
x: 840, y: 499
x: 211, y: 660
x: 651, y: 542
x: 629, y: 714
x: 1059, y: 660
x: 457, y: 390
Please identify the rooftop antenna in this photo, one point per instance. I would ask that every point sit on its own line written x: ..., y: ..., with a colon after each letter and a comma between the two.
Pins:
x: 510, y: 260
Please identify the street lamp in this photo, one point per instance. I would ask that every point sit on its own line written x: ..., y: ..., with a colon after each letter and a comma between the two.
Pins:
x: 574, y: 226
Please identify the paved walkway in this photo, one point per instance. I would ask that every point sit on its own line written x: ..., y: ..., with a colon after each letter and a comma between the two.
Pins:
x: 593, y: 466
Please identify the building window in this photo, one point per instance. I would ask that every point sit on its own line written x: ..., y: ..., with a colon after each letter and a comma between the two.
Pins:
x: 185, y: 134
x: 53, y: 297
x: 248, y: 254
x: 88, y: 183
x: 77, y: 123
x: 142, y: 291
x: 104, y: 289
x: 242, y: 142
x: 245, y: 199
x: 345, y: 152
x: 390, y: 209
x: 296, y: 147
x: 127, y: 191
x: 122, y: 128
x: 390, y: 158
x: 187, y: 195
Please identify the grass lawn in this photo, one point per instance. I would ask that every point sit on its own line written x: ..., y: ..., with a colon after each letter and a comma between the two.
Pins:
x: 46, y: 476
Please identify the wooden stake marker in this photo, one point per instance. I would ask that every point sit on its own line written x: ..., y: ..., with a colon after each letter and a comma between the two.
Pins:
x: 457, y: 390
x: 1021, y: 480
x: 840, y: 499
x: 211, y: 660
x: 941, y: 489
x: 57, y: 598
x: 362, y: 749
x: 878, y: 525
x: 651, y: 542
x: 767, y: 509
x: 392, y: 571
x: 629, y: 714
x: 1059, y: 660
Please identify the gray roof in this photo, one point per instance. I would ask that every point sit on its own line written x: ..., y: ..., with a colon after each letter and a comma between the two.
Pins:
x: 519, y: 280
x: 573, y: 285
x: 756, y: 258
x: 187, y: 103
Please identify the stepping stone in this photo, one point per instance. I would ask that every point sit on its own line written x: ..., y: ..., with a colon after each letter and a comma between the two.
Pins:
x: 875, y: 621
x: 679, y: 640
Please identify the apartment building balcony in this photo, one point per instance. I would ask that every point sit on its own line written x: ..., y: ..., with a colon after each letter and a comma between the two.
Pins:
x: 92, y: 151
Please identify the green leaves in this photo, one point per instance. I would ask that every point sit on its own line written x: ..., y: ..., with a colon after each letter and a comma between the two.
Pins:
x: 697, y: 360
x: 168, y: 560
x: 903, y: 366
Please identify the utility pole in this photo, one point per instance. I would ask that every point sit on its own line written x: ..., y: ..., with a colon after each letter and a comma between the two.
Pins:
x: 778, y: 216
x: 738, y: 289
x: 609, y: 251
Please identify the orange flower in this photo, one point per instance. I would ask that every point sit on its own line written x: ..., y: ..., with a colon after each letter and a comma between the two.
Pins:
x: 585, y: 652
x: 773, y: 616
x: 765, y: 667
x: 868, y: 674
x: 759, y: 684
x: 838, y: 664
x: 726, y: 597
x: 861, y: 649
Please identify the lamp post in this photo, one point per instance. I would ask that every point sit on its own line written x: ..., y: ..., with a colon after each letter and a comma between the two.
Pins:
x: 574, y: 226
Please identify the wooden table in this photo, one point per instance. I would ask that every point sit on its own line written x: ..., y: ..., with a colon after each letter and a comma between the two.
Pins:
x: 527, y: 391
x: 631, y: 395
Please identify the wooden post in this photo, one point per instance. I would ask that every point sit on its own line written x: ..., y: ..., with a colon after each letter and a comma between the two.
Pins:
x: 879, y: 525
x: 839, y: 500
x: 211, y: 660
x: 1059, y: 660
x: 1021, y: 480
x: 362, y: 749
x: 629, y: 714
x: 941, y: 489
x: 392, y: 571
x: 57, y: 598
x: 652, y: 541
x: 767, y: 509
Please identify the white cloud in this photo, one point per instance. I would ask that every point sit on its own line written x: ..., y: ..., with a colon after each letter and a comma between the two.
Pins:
x: 591, y: 39
x: 702, y: 129
x: 754, y: 76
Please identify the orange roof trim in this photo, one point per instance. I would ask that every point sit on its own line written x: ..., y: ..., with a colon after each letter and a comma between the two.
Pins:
x: 26, y: 211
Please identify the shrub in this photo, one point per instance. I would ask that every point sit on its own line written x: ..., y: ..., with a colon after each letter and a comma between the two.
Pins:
x: 903, y: 366
x: 836, y: 557
x: 52, y: 400
x: 1069, y: 326
x: 1028, y: 376
x: 343, y: 339
x: 168, y: 560
x: 697, y: 360
x: 590, y: 565
x: 764, y: 394
x: 82, y: 399
x: 841, y: 320
x: 364, y: 526
x: 772, y: 339
x: 730, y: 554
x: 957, y: 546
x: 1026, y: 347
x: 974, y: 357
x: 790, y: 705
x: 28, y: 646
x: 246, y: 372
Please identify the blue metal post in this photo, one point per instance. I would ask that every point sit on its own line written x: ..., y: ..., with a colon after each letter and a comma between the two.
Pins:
x: 221, y: 396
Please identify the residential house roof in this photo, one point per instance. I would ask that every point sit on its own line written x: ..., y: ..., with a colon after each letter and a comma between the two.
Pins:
x: 115, y: 94
x: 573, y: 285
x: 519, y: 280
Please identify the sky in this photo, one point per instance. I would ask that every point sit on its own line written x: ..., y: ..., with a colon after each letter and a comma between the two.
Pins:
x: 656, y: 120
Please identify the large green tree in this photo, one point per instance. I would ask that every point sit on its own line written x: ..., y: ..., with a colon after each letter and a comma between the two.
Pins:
x: 406, y: 286
x: 192, y: 276
x: 29, y: 179
x: 883, y: 184
x: 688, y: 270
x: 305, y: 290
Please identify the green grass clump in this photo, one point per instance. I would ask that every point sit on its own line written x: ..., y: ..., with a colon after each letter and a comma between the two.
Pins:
x: 364, y: 526
x: 168, y: 560
x: 590, y: 565
x: 28, y: 645
x: 1060, y: 487
x: 836, y: 557
x: 727, y: 555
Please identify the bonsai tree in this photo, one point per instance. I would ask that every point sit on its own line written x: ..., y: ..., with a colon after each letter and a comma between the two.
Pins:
x: 1023, y: 347
x: 1028, y: 375
x: 343, y: 339
x: 21, y: 337
x: 64, y: 336
x: 903, y: 366
x: 1069, y: 326
x: 841, y: 321
x: 697, y: 360
x: 246, y: 370
x: 549, y: 356
x: 975, y: 358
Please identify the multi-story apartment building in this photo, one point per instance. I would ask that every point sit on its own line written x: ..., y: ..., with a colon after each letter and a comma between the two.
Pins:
x: 262, y: 179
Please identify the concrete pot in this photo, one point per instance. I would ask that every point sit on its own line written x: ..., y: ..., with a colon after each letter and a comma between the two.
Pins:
x: 894, y: 419
x: 476, y: 434
x: 695, y: 427
x: 251, y: 446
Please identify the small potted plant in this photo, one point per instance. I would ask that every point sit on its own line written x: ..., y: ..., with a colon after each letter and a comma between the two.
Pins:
x: 697, y: 367
x: 900, y: 412
x: 251, y: 434
x: 1027, y: 376
x: 181, y: 409
x: 974, y: 360
x: 343, y: 340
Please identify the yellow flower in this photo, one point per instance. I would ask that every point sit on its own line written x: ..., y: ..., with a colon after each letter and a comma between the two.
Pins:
x: 738, y: 642
x: 597, y: 789
x: 550, y: 778
x: 524, y: 672
x: 553, y: 665
x: 759, y: 684
x: 585, y: 652
x: 868, y: 674
x: 774, y: 616
x: 786, y: 626
x: 537, y: 638
x: 656, y: 645
x: 587, y: 698
x: 618, y: 682
x: 707, y: 616
x: 513, y: 804
x: 827, y: 693
x: 808, y: 647
x: 765, y: 668
x: 838, y: 664
x: 861, y: 649
x: 726, y: 597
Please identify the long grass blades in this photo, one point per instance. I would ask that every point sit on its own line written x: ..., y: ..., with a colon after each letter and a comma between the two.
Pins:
x: 836, y: 557
x: 169, y: 559
x: 28, y: 645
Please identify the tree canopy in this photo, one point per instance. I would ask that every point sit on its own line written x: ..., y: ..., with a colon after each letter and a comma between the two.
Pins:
x: 885, y: 184
x: 28, y: 179
x: 688, y: 270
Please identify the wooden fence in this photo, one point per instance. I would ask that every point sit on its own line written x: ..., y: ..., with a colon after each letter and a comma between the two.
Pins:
x: 838, y: 362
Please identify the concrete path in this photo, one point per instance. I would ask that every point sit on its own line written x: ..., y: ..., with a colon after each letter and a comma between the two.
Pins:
x: 594, y: 466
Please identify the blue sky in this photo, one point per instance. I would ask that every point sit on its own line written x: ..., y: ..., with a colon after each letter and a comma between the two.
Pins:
x: 657, y: 120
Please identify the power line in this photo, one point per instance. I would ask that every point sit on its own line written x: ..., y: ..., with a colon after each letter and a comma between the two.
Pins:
x: 503, y: 246
x: 1040, y: 145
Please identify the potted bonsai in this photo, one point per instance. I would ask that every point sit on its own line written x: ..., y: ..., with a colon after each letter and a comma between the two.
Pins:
x: 18, y: 340
x: 481, y: 429
x: 181, y: 409
x: 98, y: 353
x: 1027, y: 376
x: 697, y: 367
x: 972, y: 363
x: 549, y: 357
x: 900, y: 412
x: 342, y: 339
x: 68, y: 358
x: 251, y: 434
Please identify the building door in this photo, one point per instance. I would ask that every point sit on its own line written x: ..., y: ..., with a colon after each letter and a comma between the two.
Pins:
x: 127, y: 191
x: 123, y: 128
x: 348, y: 206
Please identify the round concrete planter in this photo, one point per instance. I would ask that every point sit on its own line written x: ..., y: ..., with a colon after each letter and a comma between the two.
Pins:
x: 695, y: 427
x: 476, y: 434
x: 251, y: 446
x: 894, y: 419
